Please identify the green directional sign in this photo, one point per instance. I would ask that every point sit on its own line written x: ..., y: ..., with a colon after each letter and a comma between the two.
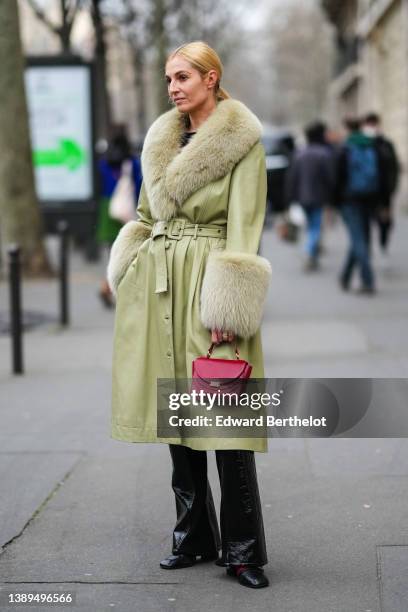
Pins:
x: 60, y: 109
x: 68, y: 154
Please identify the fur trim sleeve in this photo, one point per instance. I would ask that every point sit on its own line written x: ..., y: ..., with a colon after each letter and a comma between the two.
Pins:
x: 124, y: 250
x: 233, y: 292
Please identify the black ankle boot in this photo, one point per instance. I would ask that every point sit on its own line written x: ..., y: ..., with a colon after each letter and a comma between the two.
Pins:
x: 180, y: 561
x: 249, y: 576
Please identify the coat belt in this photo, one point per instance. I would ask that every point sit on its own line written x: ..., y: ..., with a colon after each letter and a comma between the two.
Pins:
x: 175, y: 229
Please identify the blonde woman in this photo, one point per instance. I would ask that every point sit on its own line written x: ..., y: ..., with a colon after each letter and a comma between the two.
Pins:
x: 187, y: 273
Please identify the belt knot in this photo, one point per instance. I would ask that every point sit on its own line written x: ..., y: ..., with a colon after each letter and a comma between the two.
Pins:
x: 175, y: 229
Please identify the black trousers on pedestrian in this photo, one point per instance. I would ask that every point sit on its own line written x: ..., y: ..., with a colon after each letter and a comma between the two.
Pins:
x: 196, y: 531
x: 385, y: 223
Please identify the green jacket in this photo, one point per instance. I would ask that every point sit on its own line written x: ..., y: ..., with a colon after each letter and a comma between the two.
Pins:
x: 172, y: 290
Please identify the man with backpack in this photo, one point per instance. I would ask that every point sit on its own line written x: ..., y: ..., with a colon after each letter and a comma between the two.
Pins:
x: 361, y: 183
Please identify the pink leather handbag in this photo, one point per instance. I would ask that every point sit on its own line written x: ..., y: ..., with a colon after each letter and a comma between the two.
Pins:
x: 226, y: 375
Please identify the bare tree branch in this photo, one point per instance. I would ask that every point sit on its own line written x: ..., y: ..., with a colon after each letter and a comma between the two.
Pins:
x: 40, y: 14
x: 72, y: 11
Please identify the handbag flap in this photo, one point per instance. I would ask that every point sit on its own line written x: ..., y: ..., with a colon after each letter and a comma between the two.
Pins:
x: 210, y: 369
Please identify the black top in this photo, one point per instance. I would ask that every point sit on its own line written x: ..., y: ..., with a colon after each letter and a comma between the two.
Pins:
x: 186, y: 138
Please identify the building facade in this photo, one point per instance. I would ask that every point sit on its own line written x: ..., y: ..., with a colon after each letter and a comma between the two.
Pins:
x: 371, y: 69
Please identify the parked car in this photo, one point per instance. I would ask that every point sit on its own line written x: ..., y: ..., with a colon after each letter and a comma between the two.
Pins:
x: 279, y: 146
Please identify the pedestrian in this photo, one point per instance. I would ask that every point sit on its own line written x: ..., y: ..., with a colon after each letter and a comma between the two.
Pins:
x: 186, y: 274
x: 360, y: 183
x: 384, y: 216
x: 311, y: 183
x: 110, y: 168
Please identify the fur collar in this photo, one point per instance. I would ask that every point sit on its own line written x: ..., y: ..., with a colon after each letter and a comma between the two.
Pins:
x: 172, y: 174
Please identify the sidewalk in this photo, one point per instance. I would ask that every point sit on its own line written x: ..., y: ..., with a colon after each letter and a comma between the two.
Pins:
x: 80, y: 512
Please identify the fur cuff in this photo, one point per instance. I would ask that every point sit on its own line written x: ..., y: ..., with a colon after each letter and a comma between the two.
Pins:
x: 233, y: 292
x: 124, y: 250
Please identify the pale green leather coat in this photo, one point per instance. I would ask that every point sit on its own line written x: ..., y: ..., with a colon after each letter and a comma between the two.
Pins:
x: 158, y: 335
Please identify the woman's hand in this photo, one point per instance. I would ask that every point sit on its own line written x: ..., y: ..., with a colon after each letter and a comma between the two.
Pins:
x: 218, y: 336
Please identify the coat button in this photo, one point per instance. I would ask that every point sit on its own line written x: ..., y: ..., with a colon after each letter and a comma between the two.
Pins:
x: 167, y: 245
x: 167, y: 317
x: 168, y: 353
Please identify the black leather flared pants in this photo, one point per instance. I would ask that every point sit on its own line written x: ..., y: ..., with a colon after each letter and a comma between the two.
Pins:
x: 196, y: 531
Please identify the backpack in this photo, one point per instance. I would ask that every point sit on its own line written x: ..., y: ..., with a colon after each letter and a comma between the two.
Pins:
x: 362, y: 170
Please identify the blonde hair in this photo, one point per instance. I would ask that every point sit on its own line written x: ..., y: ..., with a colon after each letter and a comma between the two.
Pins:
x: 203, y: 58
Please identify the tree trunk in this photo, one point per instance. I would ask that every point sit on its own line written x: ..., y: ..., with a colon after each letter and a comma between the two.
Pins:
x: 103, y: 109
x: 160, y: 38
x: 138, y: 67
x: 65, y: 30
x: 20, y: 216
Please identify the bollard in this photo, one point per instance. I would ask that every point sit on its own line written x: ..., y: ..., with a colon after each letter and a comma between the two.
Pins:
x: 63, y: 230
x: 16, y: 327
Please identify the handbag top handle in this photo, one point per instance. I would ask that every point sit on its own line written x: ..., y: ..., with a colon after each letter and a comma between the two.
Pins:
x: 213, y: 344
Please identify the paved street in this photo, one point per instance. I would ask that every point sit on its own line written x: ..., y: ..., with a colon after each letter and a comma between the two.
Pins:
x: 82, y: 513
